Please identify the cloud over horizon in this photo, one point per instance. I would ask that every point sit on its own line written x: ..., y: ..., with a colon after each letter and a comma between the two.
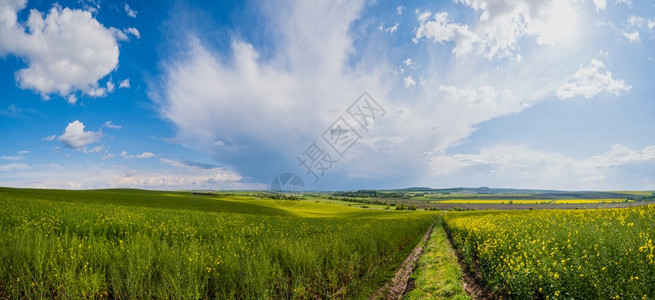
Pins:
x: 238, y: 106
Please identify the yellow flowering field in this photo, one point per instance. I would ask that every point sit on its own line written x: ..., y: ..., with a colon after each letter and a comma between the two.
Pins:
x: 531, y: 201
x: 123, y: 245
x: 572, y: 254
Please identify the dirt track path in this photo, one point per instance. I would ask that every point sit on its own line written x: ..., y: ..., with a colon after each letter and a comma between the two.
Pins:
x: 395, y: 289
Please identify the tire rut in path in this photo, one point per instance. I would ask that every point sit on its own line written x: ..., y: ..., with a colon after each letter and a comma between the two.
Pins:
x: 395, y: 289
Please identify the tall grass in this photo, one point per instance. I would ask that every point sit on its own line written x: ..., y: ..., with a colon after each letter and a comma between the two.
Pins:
x: 85, y: 249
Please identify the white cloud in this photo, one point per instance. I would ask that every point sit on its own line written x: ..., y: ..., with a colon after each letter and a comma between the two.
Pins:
x: 133, y: 31
x: 138, y: 156
x: 118, y: 34
x: 400, y: 9
x: 172, y: 162
x: 637, y: 25
x: 110, y: 124
x: 205, y: 93
x: 423, y: 16
x: 641, y: 22
x: 122, y: 35
x: 193, y: 179
x: 207, y: 172
x: 523, y: 164
x: 408, y: 62
x: 620, y: 155
x: 461, y: 108
x: 75, y: 137
x: 409, y: 81
x: 636, y: 21
x: 101, y: 91
x: 65, y: 51
x: 485, y: 102
x: 97, y: 176
x: 14, y: 167
x: 144, y: 155
x: 96, y: 92
x: 95, y: 149
x: 72, y: 99
x: 124, y: 84
x: 10, y: 157
x: 12, y: 111
x: 632, y: 36
x: 390, y: 29
x: 50, y: 137
x: 129, y: 11
x: 626, y: 2
x: 92, y: 6
x: 600, y: 4
x: 500, y: 26
x: 441, y: 29
x: 591, y: 81
x: 15, y: 157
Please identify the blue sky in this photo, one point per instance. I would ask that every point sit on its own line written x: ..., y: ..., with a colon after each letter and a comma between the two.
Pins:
x: 194, y: 95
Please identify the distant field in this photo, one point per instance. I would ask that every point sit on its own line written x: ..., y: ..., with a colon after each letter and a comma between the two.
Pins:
x: 346, y: 203
x: 528, y: 201
x: 127, y: 244
x: 488, y: 198
x: 636, y: 193
x: 482, y: 196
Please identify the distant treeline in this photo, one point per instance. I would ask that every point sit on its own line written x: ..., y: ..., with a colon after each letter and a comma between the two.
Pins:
x: 643, y: 198
x: 258, y: 194
x: 361, y: 200
x: 377, y: 194
x: 283, y: 196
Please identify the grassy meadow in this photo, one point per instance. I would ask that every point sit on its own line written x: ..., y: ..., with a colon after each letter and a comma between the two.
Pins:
x: 572, y: 254
x: 141, y: 244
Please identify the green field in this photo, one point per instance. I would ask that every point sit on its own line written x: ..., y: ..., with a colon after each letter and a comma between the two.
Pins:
x: 141, y: 244
x: 125, y: 244
x: 572, y: 254
x: 637, y: 193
